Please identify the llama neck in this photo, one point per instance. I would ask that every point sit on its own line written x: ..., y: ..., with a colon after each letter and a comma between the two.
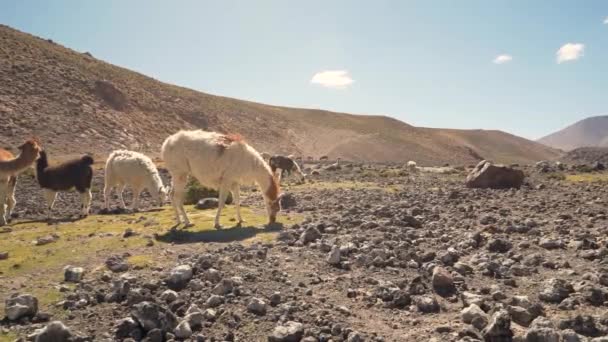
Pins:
x: 266, y: 181
x: 154, y: 183
x: 17, y: 165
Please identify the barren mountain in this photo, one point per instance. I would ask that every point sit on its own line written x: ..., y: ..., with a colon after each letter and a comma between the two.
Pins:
x: 589, y: 132
x: 76, y: 103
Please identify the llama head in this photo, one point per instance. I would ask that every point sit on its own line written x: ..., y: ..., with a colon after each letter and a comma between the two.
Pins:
x: 31, y: 147
x: 162, y: 195
x: 273, y: 200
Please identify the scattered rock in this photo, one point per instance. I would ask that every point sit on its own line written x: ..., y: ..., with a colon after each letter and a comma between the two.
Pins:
x: 73, y: 274
x: 54, y: 332
x: 499, y: 328
x: 442, y: 280
x: 257, y: 306
x: 555, y: 290
x: 179, y: 277
x: 117, y: 264
x: 18, y: 306
x: 207, y: 203
x: 288, y: 332
x: 334, y: 257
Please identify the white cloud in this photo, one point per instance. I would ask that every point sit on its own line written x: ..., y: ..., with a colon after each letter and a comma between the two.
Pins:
x: 570, y: 52
x: 502, y: 59
x: 606, y: 21
x: 338, y: 79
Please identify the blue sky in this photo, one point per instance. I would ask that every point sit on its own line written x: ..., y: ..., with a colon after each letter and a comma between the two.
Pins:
x: 428, y: 63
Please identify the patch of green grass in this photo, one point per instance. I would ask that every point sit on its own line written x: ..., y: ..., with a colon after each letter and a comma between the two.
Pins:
x: 88, y: 242
x: 141, y: 260
x: 8, y: 337
x: 588, y: 177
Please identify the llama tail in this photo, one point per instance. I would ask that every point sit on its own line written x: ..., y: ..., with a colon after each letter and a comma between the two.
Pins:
x: 88, y: 160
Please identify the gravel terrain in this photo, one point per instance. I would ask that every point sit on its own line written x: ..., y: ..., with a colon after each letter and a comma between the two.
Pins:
x: 383, y: 254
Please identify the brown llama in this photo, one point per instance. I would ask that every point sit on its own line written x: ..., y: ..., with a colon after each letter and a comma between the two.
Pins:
x: 10, y: 168
x: 77, y: 173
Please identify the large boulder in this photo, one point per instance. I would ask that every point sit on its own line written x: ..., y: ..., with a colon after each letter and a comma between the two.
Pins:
x: 18, y: 306
x: 488, y: 175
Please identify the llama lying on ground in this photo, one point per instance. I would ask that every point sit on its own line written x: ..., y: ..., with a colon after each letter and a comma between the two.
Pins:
x: 135, y: 169
x: 10, y: 167
x: 76, y: 173
x: 285, y: 164
x: 217, y: 161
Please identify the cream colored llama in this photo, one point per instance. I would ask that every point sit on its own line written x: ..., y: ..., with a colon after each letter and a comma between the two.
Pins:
x: 136, y: 170
x: 10, y: 167
x: 221, y: 162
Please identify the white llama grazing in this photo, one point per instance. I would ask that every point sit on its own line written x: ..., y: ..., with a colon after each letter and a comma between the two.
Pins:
x: 136, y: 170
x: 221, y: 162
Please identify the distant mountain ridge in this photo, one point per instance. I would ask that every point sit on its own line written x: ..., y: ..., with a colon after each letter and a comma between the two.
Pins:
x: 589, y: 132
x: 76, y: 103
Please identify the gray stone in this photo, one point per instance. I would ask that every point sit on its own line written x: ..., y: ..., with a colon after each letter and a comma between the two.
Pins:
x: 311, y: 234
x: 179, y: 277
x: 117, y: 264
x: 288, y: 332
x: 257, y: 306
x: 214, y: 301
x: 224, y: 287
x: 499, y: 328
x: 207, y: 203
x: 73, y: 274
x: 54, y: 332
x: 333, y: 258
x: 555, y: 290
x: 183, y: 330
x: 168, y: 296
x: 18, y: 306
x: 427, y: 304
x: 471, y: 312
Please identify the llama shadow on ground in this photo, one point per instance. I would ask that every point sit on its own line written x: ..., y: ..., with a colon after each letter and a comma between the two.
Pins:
x: 54, y: 220
x: 223, y: 235
x: 127, y: 211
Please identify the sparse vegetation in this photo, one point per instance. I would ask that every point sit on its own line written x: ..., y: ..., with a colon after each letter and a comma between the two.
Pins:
x: 588, y: 177
x: 196, y: 192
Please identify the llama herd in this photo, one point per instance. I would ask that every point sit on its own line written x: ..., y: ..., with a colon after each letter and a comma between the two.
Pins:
x: 218, y: 161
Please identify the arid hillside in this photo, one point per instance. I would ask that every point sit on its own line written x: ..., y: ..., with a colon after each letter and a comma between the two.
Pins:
x: 589, y: 132
x: 76, y: 103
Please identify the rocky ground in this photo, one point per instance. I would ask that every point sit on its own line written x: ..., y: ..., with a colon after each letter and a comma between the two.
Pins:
x: 381, y: 254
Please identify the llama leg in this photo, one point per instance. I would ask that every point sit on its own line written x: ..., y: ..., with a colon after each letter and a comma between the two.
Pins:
x: 10, y: 198
x: 50, y: 196
x: 107, y: 192
x: 221, y: 202
x: 122, y: 199
x: 136, y: 193
x: 86, y: 197
x: 179, y: 187
x: 3, y: 191
x: 90, y: 200
x: 236, y: 190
